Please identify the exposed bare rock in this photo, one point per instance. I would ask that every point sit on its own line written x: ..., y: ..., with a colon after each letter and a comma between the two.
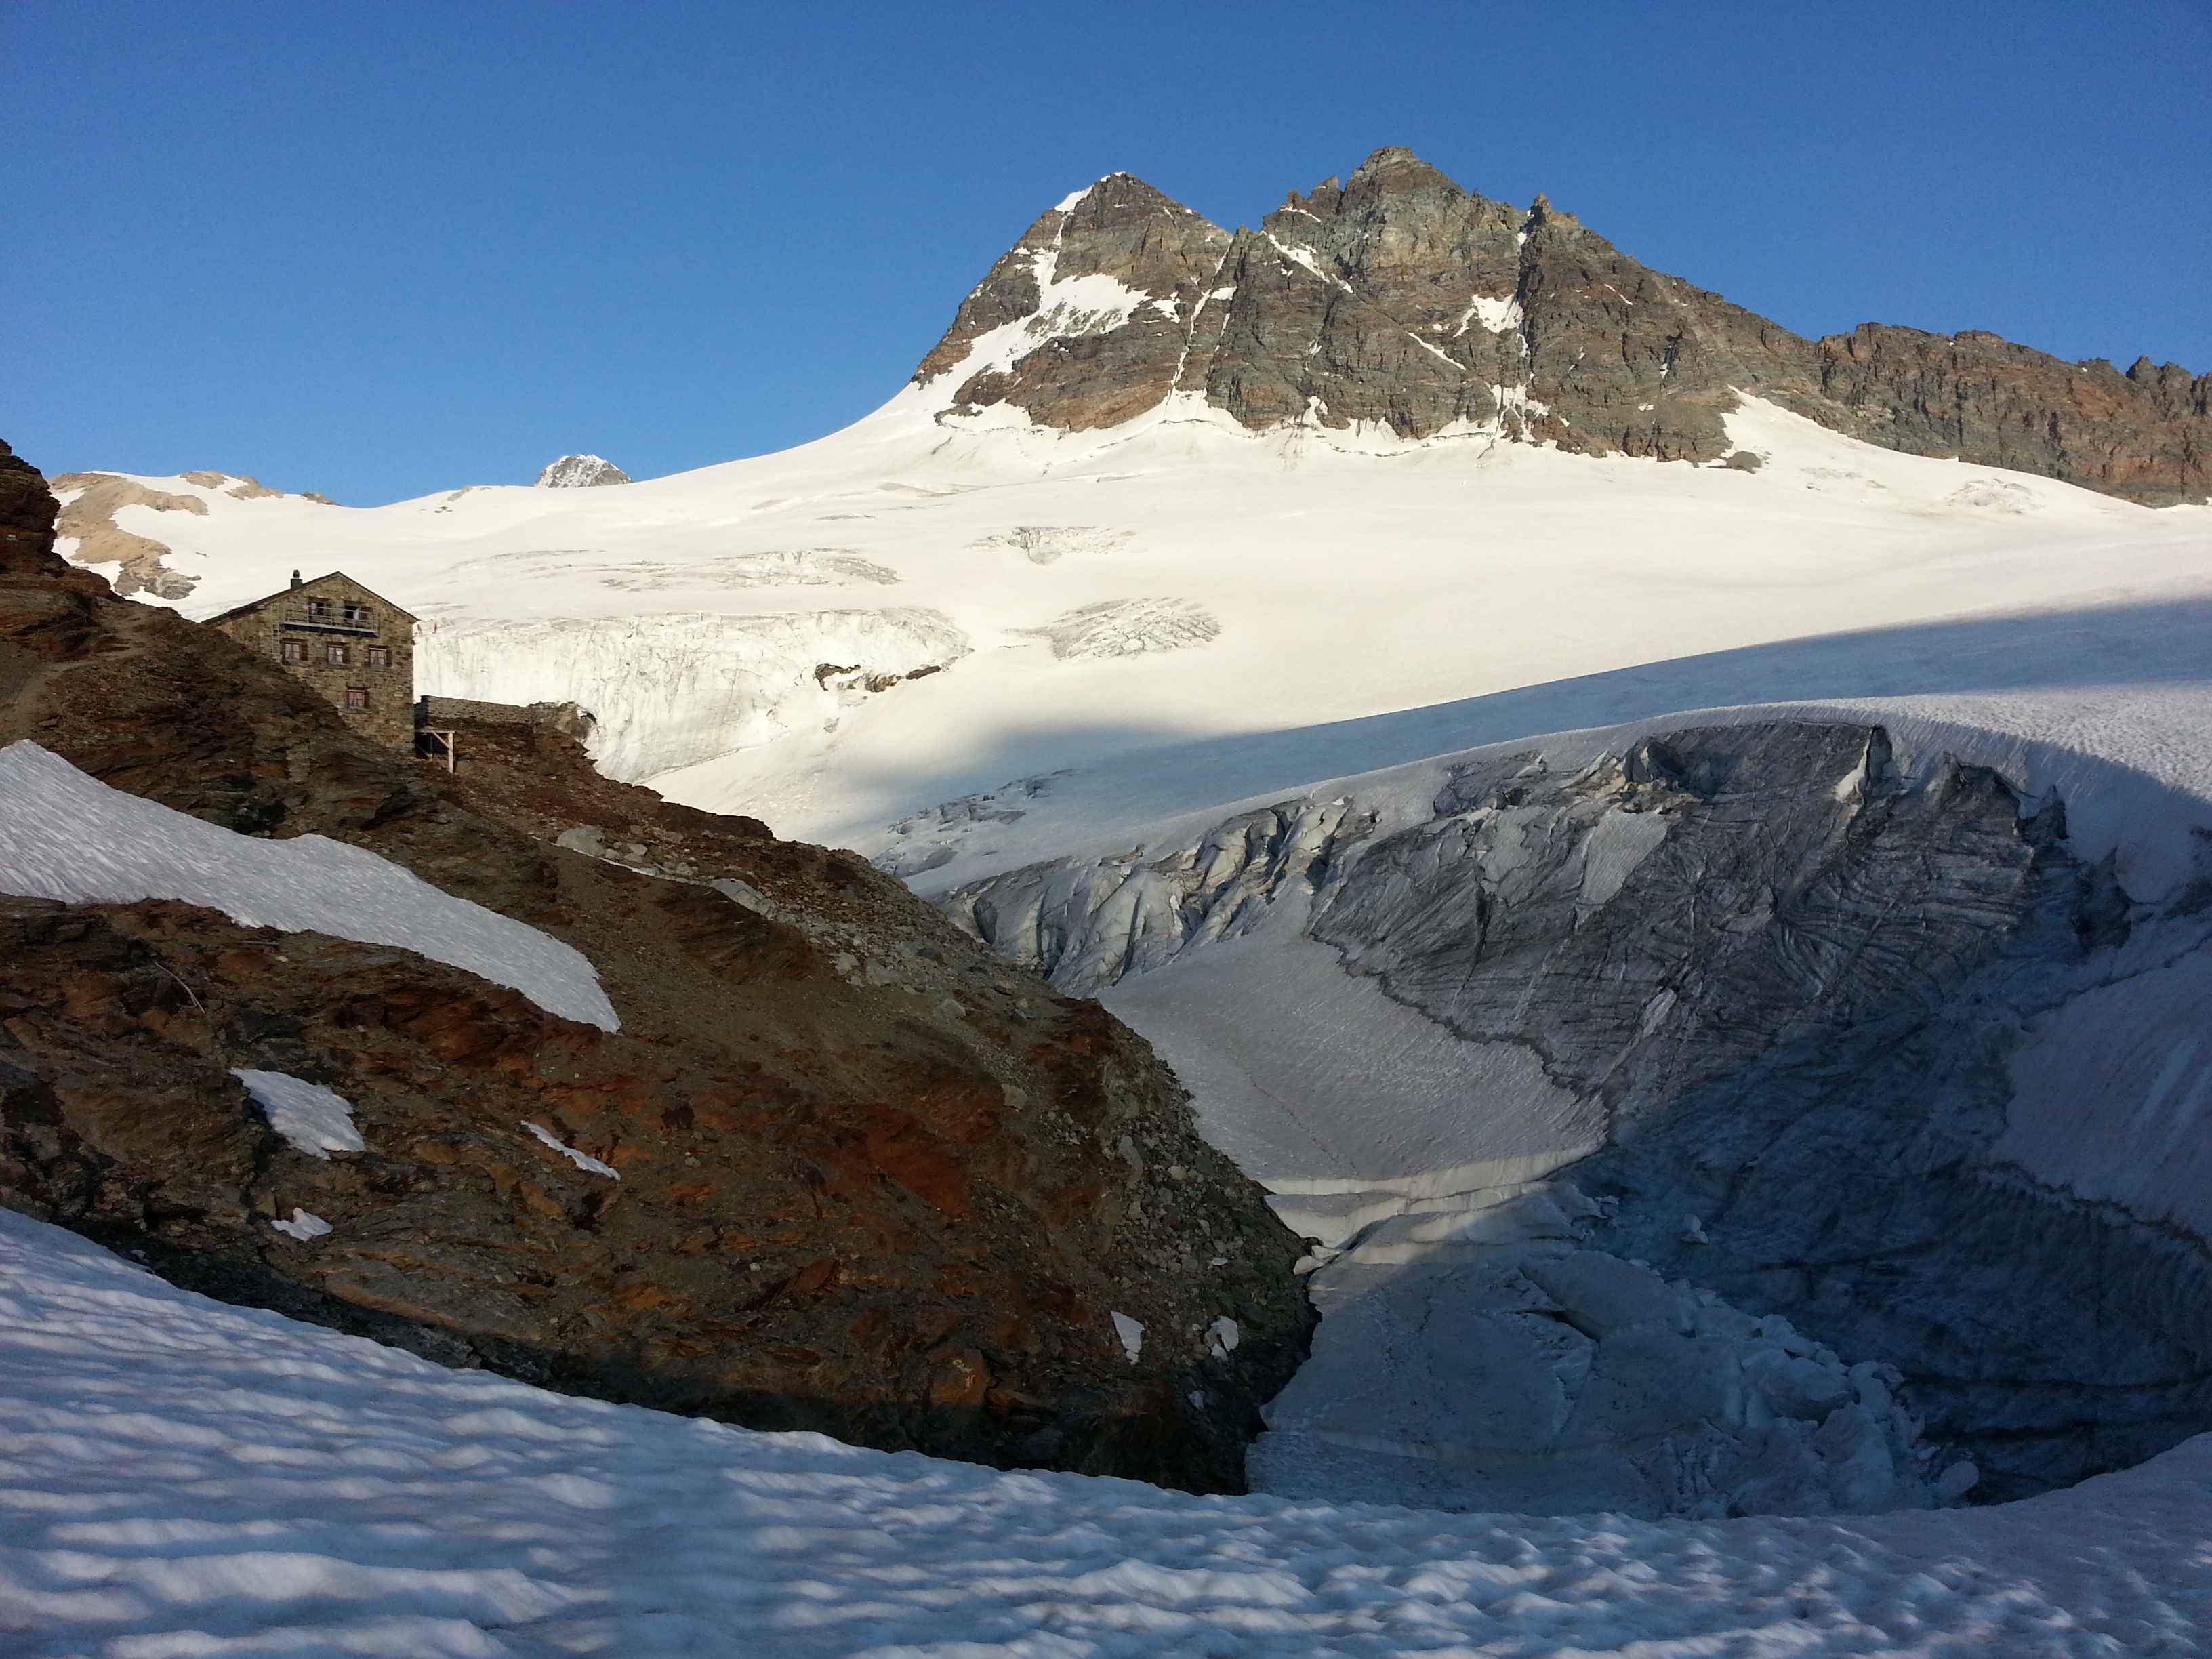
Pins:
x: 1099, y: 293
x: 27, y: 509
x: 580, y: 472
x: 1401, y: 300
x: 2144, y: 434
x: 836, y: 1170
x: 89, y: 515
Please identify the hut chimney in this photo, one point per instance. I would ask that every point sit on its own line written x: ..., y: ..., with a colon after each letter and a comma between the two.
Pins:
x: 296, y: 578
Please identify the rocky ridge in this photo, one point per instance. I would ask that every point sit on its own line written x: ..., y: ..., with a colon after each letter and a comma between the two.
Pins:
x: 837, y: 1170
x: 1400, y: 299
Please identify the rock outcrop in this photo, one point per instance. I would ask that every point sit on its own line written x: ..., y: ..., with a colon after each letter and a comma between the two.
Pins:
x: 89, y: 514
x: 1399, y: 300
x: 837, y: 1170
x: 580, y: 472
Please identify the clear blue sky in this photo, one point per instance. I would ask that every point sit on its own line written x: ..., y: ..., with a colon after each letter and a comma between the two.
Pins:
x: 382, y: 248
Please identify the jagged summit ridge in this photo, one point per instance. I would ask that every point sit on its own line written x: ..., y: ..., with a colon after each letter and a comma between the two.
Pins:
x: 582, y: 472
x: 1398, y: 299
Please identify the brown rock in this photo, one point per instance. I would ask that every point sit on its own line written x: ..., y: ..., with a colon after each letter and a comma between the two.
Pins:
x: 1371, y: 301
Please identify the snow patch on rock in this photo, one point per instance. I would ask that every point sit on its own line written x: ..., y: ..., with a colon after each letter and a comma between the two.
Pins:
x: 1131, y: 1332
x: 68, y: 837
x: 583, y: 1161
x: 310, y: 1118
x: 1068, y: 308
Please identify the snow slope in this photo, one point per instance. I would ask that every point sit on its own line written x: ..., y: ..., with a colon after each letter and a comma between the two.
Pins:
x: 1100, y: 599
x: 179, y: 1477
x: 69, y: 838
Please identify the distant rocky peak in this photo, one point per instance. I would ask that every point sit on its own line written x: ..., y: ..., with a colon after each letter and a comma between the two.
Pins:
x: 1393, y: 171
x: 1117, y: 260
x: 1400, y: 303
x: 580, y: 471
x: 1123, y: 227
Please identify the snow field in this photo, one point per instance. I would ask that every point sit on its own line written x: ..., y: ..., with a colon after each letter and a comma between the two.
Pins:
x: 1362, y: 597
x: 182, y: 1478
x: 69, y: 838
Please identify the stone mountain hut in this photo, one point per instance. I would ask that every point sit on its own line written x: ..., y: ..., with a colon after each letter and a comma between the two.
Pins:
x: 356, y: 647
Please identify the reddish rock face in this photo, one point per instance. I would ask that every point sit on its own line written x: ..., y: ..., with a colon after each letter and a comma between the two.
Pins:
x: 871, y: 1182
x: 1399, y: 299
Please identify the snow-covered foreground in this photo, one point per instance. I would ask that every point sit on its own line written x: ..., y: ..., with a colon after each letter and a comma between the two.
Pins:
x: 67, y: 836
x: 180, y: 1478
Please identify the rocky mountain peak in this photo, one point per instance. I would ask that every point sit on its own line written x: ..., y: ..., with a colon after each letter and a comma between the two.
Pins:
x: 1085, y: 316
x: 1394, y: 170
x: 1123, y: 227
x: 582, y: 472
x: 1399, y: 300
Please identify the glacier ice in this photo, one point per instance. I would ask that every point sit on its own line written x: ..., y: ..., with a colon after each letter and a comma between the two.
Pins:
x: 1863, y: 1049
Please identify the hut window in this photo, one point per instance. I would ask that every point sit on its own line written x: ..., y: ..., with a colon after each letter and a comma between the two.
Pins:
x: 355, y: 612
x: 380, y: 656
x: 356, y: 697
x: 296, y: 650
x: 335, y: 655
x: 318, y: 609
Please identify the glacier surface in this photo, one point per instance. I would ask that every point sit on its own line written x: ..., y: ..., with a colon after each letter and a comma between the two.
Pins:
x: 1828, y: 1041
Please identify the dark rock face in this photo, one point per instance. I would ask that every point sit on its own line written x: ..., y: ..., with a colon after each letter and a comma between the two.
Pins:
x: 2144, y: 434
x: 27, y: 509
x: 1790, y: 987
x: 1400, y: 299
x: 1164, y: 255
x: 871, y: 1182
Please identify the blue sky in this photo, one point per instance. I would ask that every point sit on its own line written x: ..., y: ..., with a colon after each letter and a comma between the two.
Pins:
x: 380, y: 249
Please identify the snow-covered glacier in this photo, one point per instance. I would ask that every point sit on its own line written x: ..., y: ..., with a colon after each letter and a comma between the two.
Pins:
x: 1177, y: 579
x: 671, y: 690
